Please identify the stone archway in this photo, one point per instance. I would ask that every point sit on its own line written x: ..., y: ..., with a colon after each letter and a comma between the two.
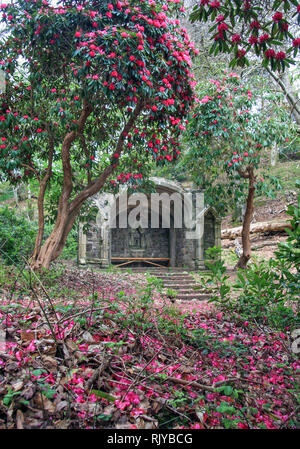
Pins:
x: 149, y: 242
x: 169, y: 238
x: 140, y: 243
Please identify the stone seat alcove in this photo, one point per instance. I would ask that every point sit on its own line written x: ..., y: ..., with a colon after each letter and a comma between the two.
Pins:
x: 166, y: 244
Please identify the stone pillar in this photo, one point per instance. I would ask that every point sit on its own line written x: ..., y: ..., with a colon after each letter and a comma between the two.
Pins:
x: 274, y: 155
x: 239, y: 208
x: 198, y: 201
x: 105, y: 259
x: 218, y: 222
x: 172, y: 243
x: 81, y: 245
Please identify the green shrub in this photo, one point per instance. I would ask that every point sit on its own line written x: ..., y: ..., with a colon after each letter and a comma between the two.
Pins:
x: 16, y: 236
x: 263, y: 297
x: 70, y: 248
x: 266, y: 292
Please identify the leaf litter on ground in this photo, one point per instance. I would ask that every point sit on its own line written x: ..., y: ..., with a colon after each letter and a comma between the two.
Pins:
x: 96, y: 353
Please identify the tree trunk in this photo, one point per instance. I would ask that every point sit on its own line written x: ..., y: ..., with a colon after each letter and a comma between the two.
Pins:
x: 290, y: 92
x: 45, y: 254
x: 16, y: 195
x: 239, y: 211
x: 274, y: 155
x: 41, y: 223
x: 264, y: 226
x: 68, y: 210
x: 292, y: 96
x: 246, y: 243
x: 41, y: 200
x: 67, y: 214
x: 30, y: 212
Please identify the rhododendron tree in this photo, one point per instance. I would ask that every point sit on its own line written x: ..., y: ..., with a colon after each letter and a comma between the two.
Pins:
x: 93, y: 87
x: 229, y: 132
x: 269, y: 29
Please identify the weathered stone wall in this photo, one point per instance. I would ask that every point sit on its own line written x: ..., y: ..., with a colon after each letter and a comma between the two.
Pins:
x: 185, y: 250
x: 101, y: 243
x: 93, y: 243
x: 209, y: 231
x: 145, y: 243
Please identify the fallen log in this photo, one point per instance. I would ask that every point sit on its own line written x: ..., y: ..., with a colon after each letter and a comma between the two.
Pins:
x: 256, y: 228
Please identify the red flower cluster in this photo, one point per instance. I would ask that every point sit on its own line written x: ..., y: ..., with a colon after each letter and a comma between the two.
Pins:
x: 109, y: 67
x: 277, y: 17
x: 274, y: 32
x: 296, y: 43
x: 280, y: 56
x: 236, y: 38
x: 269, y: 54
x: 241, y: 53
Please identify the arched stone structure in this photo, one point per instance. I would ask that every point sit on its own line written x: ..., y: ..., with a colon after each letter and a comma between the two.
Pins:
x: 178, y: 230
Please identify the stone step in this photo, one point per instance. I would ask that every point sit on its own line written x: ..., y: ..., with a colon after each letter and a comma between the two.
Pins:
x: 189, y: 291
x: 177, y: 286
x: 187, y: 288
x: 170, y: 273
x: 154, y: 269
x: 171, y: 278
x: 166, y: 275
x: 163, y: 275
x: 191, y: 297
x: 174, y: 276
x: 180, y: 281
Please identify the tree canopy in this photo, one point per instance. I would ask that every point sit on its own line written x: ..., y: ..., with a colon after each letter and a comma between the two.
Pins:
x: 89, y: 82
x: 97, y: 89
x: 229, y: 131
x: 269, y: 29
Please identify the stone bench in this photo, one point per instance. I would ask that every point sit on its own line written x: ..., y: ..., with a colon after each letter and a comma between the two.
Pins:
x: 148, y: 260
